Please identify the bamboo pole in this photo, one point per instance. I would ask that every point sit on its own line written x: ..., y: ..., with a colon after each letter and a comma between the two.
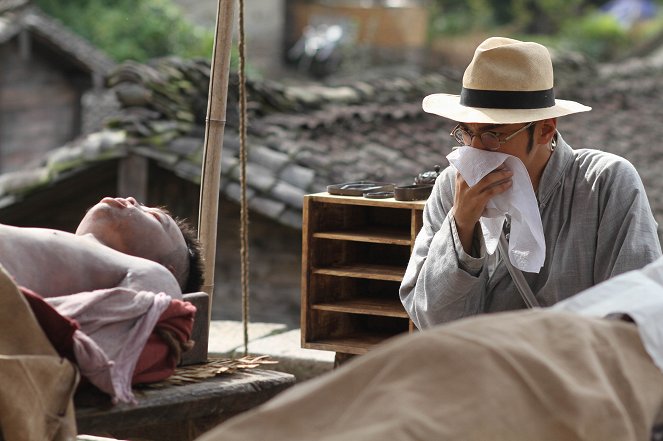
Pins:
x: 215, y: 122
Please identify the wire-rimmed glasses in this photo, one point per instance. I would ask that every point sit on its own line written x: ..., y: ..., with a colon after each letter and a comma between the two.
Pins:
x: 489, y: 139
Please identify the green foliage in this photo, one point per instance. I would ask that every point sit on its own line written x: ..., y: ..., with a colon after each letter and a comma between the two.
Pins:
x: 598, y: 35
x: 453, y: 18
x: 564, y: 24
x: 133, y: 29
x: 534, y: 16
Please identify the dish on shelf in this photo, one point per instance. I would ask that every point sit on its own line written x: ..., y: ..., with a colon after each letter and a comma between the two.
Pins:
x: 379, y: 194
x: 358, y: 188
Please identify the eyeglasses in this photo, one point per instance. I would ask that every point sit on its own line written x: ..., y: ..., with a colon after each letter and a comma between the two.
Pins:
x: 490, y: 140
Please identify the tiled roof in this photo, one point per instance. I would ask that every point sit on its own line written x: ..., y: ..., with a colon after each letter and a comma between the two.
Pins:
x: 302, y: 138
x: 16, y: 16
x: 60, y: 164
x: 9, y: 5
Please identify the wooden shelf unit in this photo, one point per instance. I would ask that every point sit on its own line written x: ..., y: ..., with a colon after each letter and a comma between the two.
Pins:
x: 354, y: 254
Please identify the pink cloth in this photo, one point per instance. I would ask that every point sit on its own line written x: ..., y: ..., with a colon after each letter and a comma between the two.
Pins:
x: 157, y: 360
x: 118, y: 322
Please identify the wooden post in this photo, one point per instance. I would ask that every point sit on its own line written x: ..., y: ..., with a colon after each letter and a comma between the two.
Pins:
x: 214, y: 127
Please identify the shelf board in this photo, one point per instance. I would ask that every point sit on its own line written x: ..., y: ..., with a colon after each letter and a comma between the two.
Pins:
x: 390, y: 236
x: 366, y: 306
x: 355, y: 200
x: 364, y: 271
x: 356, y: 344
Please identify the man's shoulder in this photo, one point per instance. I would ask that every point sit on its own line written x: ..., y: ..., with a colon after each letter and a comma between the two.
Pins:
x: 146, y: 275
x: 598, y: 164
x: 596, y: 156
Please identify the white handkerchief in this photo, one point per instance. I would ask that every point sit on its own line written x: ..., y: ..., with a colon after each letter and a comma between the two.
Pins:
x: 527, y: 245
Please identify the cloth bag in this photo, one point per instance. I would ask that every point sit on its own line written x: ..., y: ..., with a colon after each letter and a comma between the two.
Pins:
x: 36, y: 385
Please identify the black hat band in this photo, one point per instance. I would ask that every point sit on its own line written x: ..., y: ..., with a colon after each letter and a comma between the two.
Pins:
x: 506, y: 99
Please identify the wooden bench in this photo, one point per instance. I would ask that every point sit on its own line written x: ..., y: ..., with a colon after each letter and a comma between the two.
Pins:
x: 180, y: 412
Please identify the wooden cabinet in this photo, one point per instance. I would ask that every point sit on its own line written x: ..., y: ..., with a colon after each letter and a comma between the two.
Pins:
x: 354, y: 254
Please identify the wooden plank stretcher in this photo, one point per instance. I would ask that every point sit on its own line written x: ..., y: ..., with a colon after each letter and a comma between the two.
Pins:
x: 182, y: 412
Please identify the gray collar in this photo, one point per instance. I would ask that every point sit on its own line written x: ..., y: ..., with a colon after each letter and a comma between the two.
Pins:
x: 557, y: 165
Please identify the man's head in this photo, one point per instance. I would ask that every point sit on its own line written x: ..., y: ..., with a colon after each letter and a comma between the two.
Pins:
x: 151, y: 233
x: 507, y: 102
x: 507, y: 82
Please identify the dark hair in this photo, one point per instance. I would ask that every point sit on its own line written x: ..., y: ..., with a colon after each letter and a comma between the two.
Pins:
x: 530, y: 144
x: 194, y: 279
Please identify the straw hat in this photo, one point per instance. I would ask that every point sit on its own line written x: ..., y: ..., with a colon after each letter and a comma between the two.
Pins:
x: 508, y: 81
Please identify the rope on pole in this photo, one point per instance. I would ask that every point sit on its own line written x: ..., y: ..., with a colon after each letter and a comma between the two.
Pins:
x: 244, y: 209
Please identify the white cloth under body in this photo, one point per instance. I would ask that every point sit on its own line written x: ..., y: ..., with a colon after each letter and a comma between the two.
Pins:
x: 115, y: 325
x: 638, y: 293
x: 527, y: 244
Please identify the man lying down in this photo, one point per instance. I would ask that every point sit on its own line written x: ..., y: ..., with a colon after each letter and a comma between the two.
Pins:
x: 588, y: 368
x: 120, y: 275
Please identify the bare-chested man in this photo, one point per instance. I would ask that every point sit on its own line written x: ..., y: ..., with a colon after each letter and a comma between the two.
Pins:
x: 119, y: 243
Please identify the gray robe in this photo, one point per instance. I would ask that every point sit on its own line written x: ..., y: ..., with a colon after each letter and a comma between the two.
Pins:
x: 596, y: 220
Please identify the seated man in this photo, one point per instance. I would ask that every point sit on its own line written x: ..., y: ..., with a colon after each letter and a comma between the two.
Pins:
x: 572, y: 217
x: 560, y: 373
x: 119, y: 243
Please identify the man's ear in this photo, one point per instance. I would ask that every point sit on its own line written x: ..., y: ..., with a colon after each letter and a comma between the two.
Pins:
x: 548, y: 130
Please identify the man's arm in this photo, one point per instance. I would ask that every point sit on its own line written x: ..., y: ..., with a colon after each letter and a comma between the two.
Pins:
x: 627, y: 237
x: 442, y: 282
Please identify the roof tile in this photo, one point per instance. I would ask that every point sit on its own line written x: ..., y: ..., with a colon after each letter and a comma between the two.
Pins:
x: 257, y: 177
x: 271, y: 159
x: 291, y: 195
x: 300, y: 177
x: 267, y: 207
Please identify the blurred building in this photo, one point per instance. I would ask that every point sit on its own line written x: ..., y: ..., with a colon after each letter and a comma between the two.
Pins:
x: 363, y: 32
x: 46, y: 73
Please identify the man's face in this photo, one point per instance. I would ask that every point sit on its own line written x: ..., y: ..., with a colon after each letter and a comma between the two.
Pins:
x: 129, y: 227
